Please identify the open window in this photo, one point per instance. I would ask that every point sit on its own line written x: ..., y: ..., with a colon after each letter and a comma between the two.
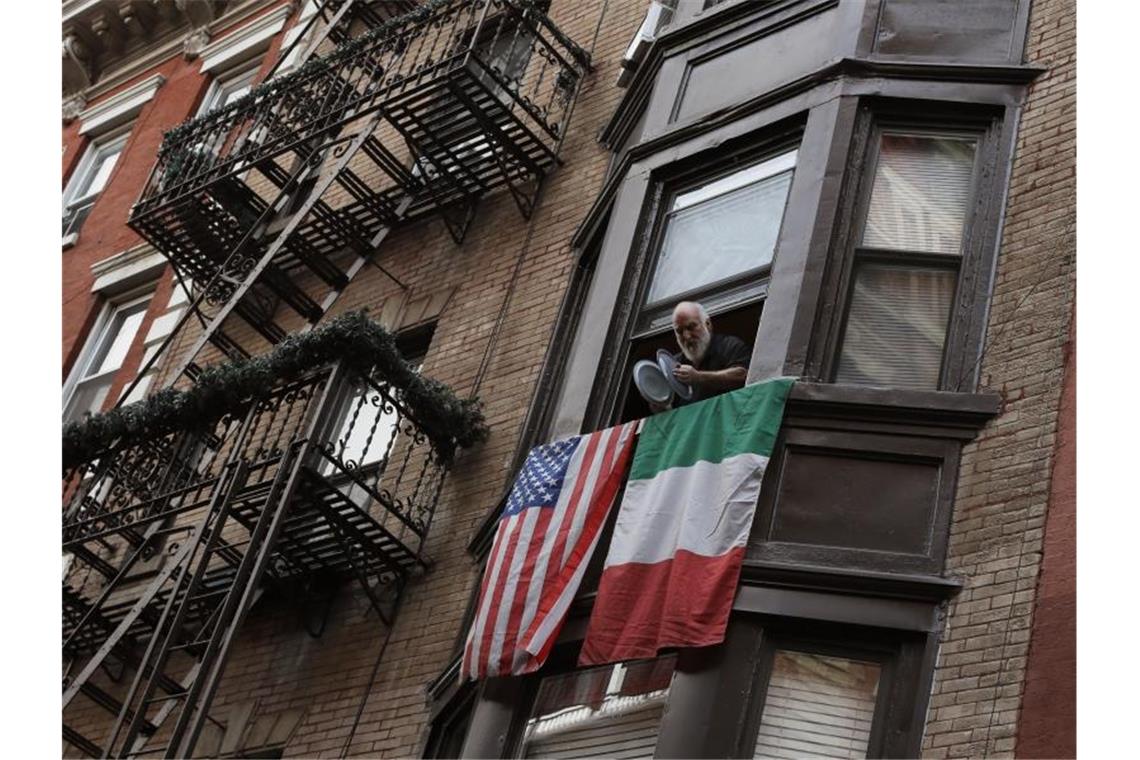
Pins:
x: 714, y: 244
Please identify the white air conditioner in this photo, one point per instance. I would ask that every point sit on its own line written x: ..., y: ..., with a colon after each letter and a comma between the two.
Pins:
x: 659, y: 14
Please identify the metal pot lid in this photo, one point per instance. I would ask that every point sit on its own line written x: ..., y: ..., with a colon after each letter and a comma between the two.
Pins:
x: 651, y: 382
x: 667, y: 364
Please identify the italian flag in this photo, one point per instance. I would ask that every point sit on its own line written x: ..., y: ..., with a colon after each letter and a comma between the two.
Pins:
x: 674, y: 560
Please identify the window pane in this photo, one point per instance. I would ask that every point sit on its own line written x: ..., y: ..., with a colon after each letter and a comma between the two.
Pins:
x: 896, y: 327
x: 920, y: 192
x: 102, y: 171
x: 712, y: 234
x: 88, y: 397
x: 818, y: 706
x: 612, y: 711
x: 367, y: 430
x: 117, y: 341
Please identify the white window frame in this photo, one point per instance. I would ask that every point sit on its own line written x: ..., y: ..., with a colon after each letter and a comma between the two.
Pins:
x: 243, y: 73
x: 79, y: 377
x: 93, y: 156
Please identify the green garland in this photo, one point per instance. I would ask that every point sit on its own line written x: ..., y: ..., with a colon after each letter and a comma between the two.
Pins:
x: 353, y: 338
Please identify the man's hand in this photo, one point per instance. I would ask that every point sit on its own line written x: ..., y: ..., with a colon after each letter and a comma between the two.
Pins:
x: 688, y: 375
x: 658, y: 408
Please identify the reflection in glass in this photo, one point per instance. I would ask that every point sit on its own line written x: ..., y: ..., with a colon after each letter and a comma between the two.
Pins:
x: 920, y: 193
x: 817, y: 706
x: 611, y: 711
x: 723, y: 228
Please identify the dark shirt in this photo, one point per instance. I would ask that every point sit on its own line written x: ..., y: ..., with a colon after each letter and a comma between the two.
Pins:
x: 724, y: 351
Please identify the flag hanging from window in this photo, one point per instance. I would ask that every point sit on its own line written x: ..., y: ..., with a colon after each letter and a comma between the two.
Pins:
x: 678, y: 545
x: 548, y: 531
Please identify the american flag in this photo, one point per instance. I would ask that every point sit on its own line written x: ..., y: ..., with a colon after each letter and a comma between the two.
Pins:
x: 548, y: 531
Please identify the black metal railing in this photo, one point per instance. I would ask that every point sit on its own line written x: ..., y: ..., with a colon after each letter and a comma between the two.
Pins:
x: 530, y: 66
x: 364, y: 442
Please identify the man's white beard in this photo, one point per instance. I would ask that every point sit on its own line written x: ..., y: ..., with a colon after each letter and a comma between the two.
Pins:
x: 702, y: 346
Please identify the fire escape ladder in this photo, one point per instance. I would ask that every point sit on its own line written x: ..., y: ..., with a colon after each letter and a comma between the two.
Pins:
x: 186, y: 573
x: 267, y: 271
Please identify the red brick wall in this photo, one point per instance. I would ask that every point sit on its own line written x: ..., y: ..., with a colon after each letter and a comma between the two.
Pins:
x: 105, y: 233
x: 1048, y: 725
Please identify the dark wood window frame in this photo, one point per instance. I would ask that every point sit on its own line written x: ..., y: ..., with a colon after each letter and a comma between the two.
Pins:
x: 901, y: 655
x: 563, y: 660
x: 965, y: 330
x: 626, y: 326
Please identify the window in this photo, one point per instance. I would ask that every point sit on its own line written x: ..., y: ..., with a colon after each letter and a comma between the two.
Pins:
x: 715, y: 239
x: 228, y: 87
x: 907, y: 260
x: 103, y: 358
x: 818, y: 706
x: 89, y: 179
x: 611, y: 711
x: 367, y: 430
x: 721, y: 230
x: 821, y: 689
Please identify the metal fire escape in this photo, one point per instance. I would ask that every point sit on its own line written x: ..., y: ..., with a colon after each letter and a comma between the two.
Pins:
x: 268, y: 208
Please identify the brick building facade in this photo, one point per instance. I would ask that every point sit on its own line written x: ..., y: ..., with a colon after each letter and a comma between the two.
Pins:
x: 945, y: 576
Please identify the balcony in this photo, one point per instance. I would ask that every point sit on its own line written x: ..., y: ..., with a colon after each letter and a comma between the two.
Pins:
x: 450, y: 101
x: 332, y: 474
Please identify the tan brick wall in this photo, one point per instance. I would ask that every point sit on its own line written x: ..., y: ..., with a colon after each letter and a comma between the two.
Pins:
x: 996, y: 539
x: 275, y: 661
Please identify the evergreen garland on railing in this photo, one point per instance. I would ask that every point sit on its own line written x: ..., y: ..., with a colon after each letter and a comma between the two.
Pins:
x: 352, y: 338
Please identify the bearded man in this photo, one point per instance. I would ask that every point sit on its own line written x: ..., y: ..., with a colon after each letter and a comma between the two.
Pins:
x: 709, y: 363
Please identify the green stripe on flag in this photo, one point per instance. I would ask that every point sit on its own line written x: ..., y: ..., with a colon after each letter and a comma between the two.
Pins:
x: 741, y: 421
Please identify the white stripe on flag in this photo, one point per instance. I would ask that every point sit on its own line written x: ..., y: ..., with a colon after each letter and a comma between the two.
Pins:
x: 705, y: 508
x: 538, y: 582
x: 503, y: 618
x: 581, y: 509
x: 506, y: 528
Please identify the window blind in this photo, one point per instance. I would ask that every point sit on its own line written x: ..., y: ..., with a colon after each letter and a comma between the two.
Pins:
x: 609, y: 712
x: 721, y: 236
x: 920, y: 193
x: 896, y: 327
x: 817, y: 706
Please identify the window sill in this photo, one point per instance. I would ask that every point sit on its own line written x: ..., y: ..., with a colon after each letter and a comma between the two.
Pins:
x: 70, y: 239
x: 963, y: 412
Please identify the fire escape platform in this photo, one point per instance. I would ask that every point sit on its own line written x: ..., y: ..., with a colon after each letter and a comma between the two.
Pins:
x: 323, y: 532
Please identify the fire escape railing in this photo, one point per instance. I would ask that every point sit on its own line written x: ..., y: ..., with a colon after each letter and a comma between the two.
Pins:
x: 333, y: 472
x: 532, y: 67
x: 280, y: 198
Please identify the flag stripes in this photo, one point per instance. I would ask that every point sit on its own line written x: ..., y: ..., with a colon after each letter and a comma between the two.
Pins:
x: 545, y: 537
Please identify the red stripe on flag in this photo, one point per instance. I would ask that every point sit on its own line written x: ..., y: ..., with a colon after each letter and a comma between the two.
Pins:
x: 514, y: 621
x: 475, y: 668
x: 508, y: 551
x: 554, y: 566
x: 610, y: 476
x: 643, y: 608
